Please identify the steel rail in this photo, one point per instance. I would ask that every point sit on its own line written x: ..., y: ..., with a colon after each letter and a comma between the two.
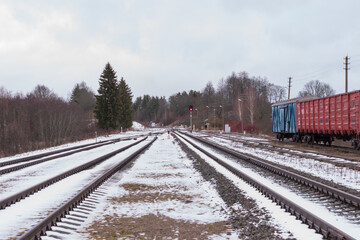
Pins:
x: 21, y: 195
x: 28, y: 164
x: 352, y: 163
x: 331, y: 191
x: 32, y: 157
x: 40, y: 229
x: 321, y: 226
x: 319, y: 146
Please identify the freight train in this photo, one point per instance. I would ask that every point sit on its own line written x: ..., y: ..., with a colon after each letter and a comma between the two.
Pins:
x: 311, y: 119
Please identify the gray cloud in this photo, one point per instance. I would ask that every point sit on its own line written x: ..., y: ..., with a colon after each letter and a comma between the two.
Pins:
x: 162, y: 47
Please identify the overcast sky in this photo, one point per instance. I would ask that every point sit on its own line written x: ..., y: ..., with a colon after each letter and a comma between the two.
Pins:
x: 161, y: 47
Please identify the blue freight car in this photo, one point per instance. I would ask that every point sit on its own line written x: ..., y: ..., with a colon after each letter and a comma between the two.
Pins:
x: 284, y: 117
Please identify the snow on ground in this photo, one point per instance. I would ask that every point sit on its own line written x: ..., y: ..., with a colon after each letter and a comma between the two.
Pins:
x: 181, y: 192
x: 281, y: 218
x: 164, y: 167
x: 325, y: 170
x: 127, y: 134
x: 29, y: 211
x: 276, y: 211
x: 15, y: 181
x: 137, y: 126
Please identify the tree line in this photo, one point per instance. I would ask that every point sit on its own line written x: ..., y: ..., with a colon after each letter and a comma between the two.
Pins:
x: 42, y: 119
x: 237, y: 98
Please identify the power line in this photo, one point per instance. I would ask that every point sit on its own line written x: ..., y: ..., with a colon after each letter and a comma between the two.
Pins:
x: 316, y: 72
x: 355, y: 56
x: 324, y: 71
x: 355, y: 61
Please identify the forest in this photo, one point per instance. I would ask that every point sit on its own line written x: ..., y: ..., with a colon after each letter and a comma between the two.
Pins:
x: 237, y: 99
x: 42, y: 119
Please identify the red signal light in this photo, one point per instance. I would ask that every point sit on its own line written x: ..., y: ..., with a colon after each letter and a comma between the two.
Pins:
x: 191, y: 108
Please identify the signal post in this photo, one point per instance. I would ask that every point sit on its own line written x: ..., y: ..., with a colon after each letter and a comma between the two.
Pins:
x: 191, y: 110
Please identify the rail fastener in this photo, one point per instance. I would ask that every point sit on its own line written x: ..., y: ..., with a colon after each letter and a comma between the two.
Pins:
x: 40, y: 229
x: 321, y: 226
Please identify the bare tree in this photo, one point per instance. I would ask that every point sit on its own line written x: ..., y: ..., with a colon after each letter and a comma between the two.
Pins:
x: 252, y: 99
x: 276, y: 93
x: 240, y: 103
x: 41, y: 91
x: 317, y: 89
x: 4, y: 93
x: 208, y: 94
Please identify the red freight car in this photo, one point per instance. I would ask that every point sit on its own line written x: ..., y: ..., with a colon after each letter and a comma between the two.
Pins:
x: 323, y: 119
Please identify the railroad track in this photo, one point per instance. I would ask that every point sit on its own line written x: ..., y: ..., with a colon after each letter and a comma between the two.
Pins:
x: 46, y: 154
x: 351, y: 163
x: 41, y: 155
x: 32, y: 161
x: 20, y: 163
x: 342, y: 149
x: 54, y: 215
x: 321, y: 226
x: 335, y: 145
x: 31, y: 190
x: 341, y: 195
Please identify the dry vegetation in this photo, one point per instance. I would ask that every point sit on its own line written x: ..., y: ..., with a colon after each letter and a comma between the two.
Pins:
x: 153, y: 225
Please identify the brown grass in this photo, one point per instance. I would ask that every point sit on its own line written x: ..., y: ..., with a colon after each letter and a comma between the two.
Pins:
x: 153, y: 226
x: 151, y: 197
x: 160, y: 175
x: 133, y: 187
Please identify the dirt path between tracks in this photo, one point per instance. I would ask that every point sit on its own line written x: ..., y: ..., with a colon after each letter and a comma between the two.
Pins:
x: 161, y: 197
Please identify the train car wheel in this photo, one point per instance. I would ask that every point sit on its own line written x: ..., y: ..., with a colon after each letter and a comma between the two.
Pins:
x: 355, y: 144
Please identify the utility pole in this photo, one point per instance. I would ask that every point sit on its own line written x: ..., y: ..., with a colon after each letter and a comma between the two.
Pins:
x: 222, y: 113
x: 214, y: 118
x: 289, y: 87
x: 240, y: 115
x: 346, y: 72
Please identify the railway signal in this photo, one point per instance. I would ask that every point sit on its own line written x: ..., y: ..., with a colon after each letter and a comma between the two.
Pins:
x: 191, y: 108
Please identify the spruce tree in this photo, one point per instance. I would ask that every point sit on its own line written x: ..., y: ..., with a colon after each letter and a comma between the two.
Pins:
x: 107, y: 101
x: 83, y: 96
x: 75, y: 93
x: 126, y: 110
